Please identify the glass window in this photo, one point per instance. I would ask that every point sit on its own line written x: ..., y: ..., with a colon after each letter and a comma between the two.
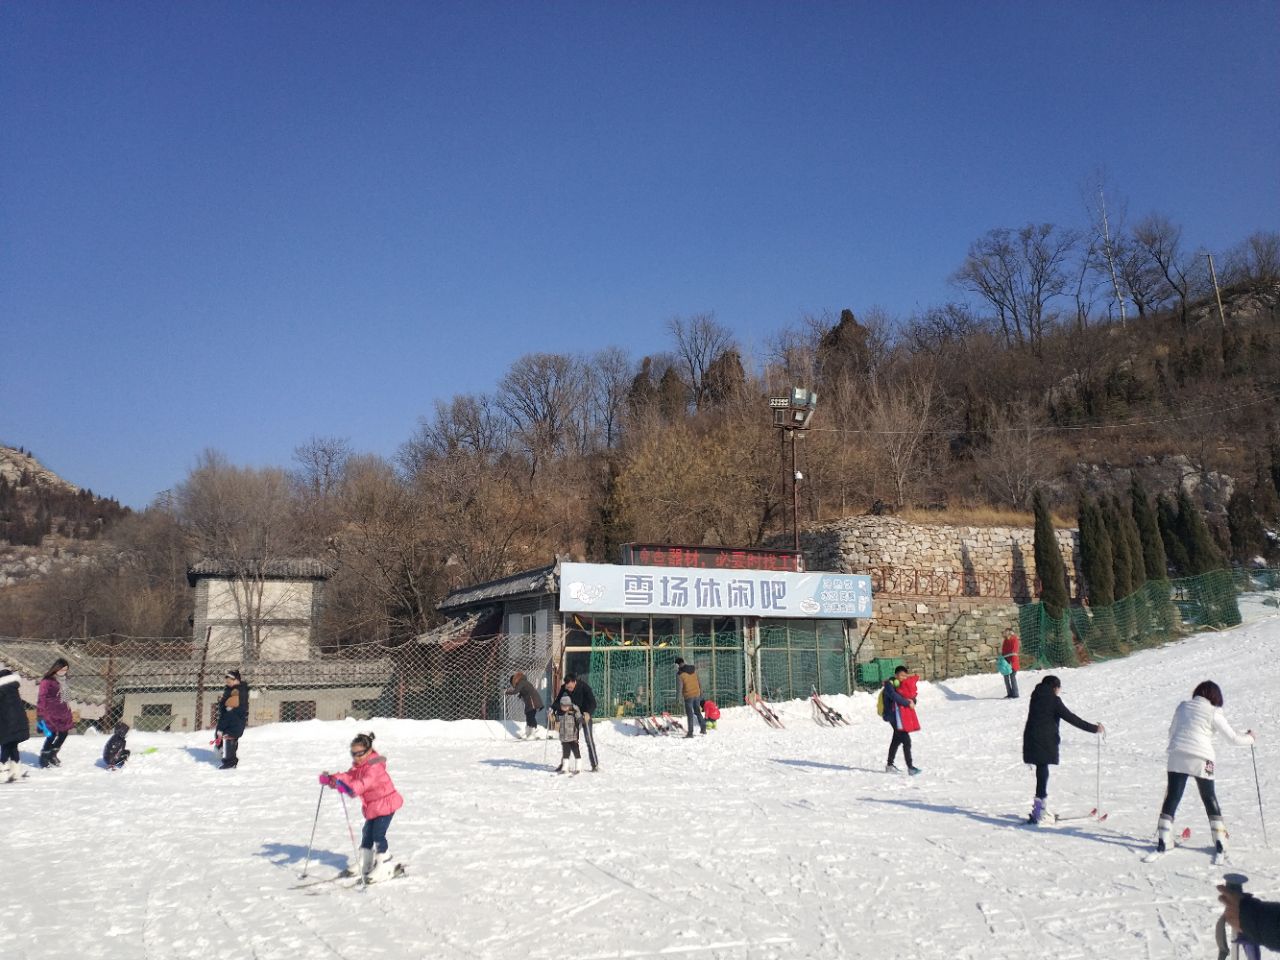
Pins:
x: 666, y: 632
x: 773, y: 633
x: 577, y: 630
x: 727, y: 631
x: 635, y: 631
x: 293, y: 710
x: 607, y: 631
x: 578, y: 663
x: 697, y: 632
x: 831, y: 634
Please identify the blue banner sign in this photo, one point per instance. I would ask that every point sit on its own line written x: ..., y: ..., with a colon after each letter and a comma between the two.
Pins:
x: 608, y: 588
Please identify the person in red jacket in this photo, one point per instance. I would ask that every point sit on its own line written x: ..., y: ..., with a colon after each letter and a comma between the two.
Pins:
x: 900, y: 713
x: 1009, y: 654
x: 712, y: 712
x: 368, y: 779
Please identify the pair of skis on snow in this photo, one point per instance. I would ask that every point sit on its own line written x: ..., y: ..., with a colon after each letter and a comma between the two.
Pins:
x: 660, y: 726
x: 767, y: 713
x: 1052, y: 818
x: 348, y: 875
x: 823, y: 715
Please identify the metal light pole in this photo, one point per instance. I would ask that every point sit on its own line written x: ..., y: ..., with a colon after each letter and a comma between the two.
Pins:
x: 792, y: 414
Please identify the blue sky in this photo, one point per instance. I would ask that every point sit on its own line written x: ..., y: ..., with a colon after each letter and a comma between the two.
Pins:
x: 239, y: 225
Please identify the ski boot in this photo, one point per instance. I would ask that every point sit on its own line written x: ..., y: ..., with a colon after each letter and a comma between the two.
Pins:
x: 1039, y: 810
x: 573, y: 765
x: 1164, y: 833
x: 383, y: 868
x: 1218, y: 830
x: 46, y: 758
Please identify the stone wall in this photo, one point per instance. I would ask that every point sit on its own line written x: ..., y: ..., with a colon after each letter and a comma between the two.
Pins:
x: 943, y: 594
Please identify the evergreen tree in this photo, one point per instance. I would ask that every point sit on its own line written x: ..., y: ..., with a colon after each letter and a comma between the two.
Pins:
x: 1247, y: 537
x: 611, y: 527
x: 673, y: 396
x: 1049, y: 567
x: 1175, y: 549
x: 1095, y: 555
x: 1155, y: 565
x: 1202, y: 552
x: 1121, y: 565
x: 1137, y: 565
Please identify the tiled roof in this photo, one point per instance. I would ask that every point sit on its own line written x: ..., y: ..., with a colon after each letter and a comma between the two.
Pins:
x: 530, y: 582
x: 290, y: 568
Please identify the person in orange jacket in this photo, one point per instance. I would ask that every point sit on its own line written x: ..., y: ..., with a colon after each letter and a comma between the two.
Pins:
x: 900, y: 713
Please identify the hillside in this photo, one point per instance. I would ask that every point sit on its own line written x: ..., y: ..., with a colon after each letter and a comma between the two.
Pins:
x: 39, y: 509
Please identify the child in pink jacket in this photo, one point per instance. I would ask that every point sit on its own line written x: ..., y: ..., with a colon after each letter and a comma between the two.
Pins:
x: 368, y: 779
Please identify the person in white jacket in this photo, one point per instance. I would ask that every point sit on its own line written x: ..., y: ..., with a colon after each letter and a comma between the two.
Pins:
x: 1191, y: 755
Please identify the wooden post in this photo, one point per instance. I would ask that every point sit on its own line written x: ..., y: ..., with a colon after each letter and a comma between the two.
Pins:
x: 1222, y: 317
x: 198, y: 721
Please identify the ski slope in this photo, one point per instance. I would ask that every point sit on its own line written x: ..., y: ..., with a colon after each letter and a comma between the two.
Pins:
x: 752, y: 842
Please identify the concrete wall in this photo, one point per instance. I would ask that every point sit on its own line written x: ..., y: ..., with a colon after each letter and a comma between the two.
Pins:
x: 286, y: 612
x: 332, y: 703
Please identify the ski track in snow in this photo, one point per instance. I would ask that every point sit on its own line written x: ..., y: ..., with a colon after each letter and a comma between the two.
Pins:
x: 751, y: 843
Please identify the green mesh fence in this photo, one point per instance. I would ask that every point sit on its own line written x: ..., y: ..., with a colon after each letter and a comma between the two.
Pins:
x: 793, y: 659
x: 1160, y: 610
x: 638, y: 681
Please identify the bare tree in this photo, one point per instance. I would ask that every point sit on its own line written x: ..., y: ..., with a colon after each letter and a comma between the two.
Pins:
x: 1019, y: 274
x: 611, y: 375
x: 1160, y: 241
x: 901, y: 418
x: 1255, y: 260
x: 321, y: 461
x: 1019, y: 456
x: 541, y: 395
x: 699, y: 339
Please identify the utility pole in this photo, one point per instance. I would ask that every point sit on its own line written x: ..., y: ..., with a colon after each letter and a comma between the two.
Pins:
x: 1110, y: 253
x: 1222, y: 317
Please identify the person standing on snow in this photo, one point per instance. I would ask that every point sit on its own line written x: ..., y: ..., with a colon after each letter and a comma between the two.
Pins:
x: 1009, y: 662
x: 522, y: 688
x: 584, y: 698
x: 691, y: 694
x: 899, y: 712
x: 568, y: 725
x: 53, y: 713
x: 1191, y: 755
x: 233, y: 717
x: 1040, y: 737
x: 14, y: 727
x: 369, y: 780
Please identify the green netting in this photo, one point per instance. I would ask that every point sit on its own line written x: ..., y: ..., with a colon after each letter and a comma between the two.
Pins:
x: 792, y: 660
x: 637, y: 681
x: 1158, y: 611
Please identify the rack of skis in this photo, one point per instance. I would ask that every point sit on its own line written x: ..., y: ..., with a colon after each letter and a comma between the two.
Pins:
x: 664, y: 724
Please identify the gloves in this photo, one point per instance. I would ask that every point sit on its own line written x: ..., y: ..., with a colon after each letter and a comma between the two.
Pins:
x: 342, y: 787
x: 43, y: 728
x: 326, y: 780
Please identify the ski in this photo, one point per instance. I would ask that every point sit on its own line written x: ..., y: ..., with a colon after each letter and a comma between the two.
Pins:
x: 1178, y: 841
x: 831, y: 716
x: 1091, y: 815
x: 315, y: 883
x: 673, y: 723
x: 639, y: 722
x: 766, y: 712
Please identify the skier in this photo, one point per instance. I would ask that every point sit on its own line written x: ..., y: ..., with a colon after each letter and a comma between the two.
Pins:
x: 14, y: 727
x: 569, y: 723
x: 233, y: 717
x: 899, y: 713
x: 114, y: 754
x: 691, y: 694
x: 522, y: 688
x: 1009, y: 661
x: 369, y: 780
x: 712, y: 712
x: 584, y: 698
x: 1040, y: 737
x: 1191, y: 755
x: 53, y: 713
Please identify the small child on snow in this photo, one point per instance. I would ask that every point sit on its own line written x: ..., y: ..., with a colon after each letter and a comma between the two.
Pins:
x: 368, y: 779
x: 568, y: 724
x: 711, y: 712
x: 114, y: 754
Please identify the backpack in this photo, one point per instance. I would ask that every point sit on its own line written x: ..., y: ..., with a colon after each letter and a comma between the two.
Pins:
x: 880, y: 703
x: 1004, y: 666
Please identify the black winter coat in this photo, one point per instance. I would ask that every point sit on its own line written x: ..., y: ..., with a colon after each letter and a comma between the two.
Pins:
x: 527, y: 693
x: 1040, y: 736
x: 232, y: 719
x: 14, y: 727
x: 583, y: 697
x: 1260, y: 922
x: 114, y: 753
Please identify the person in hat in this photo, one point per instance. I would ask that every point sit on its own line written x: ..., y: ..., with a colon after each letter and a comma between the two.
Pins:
x: 691, y: 694
x: 584, y: 698
x: 522, y: 688
x: 233, y: 717
x: 569, y: 725
x: 1040, y: 738
x: 115, y: 753
x: 14, y: 727
x: 53, y: 714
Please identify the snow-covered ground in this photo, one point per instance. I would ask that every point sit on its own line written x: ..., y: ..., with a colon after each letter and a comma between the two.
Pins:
x: 751, y: 842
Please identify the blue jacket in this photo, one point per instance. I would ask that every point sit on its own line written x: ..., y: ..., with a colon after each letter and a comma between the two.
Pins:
x: 893, y: 702
x: 233, y: 710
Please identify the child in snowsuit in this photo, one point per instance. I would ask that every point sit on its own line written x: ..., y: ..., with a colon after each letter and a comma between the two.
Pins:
x: 368, y: 779
x: 522, y: 688
x: 899, y: 713
x: 1040, y: 737
x: 712, y: 712
x: 53, y: 714
x: 114, y: 753
x: 1191, y: 755
x: 14, y: 727
x: 569, y: 724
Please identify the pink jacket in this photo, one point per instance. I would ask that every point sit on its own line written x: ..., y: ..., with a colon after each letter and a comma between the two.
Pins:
x: 52, y: 709
x: 372, y: 784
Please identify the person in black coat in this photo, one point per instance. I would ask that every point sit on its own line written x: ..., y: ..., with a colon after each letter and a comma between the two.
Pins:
x: 522, y: 688
x: 583, y: 697
x: 14, y: 726
x: 1040, y: 737
x: 115, y: 753
x: 1255, y: 919
x: 233, y: 717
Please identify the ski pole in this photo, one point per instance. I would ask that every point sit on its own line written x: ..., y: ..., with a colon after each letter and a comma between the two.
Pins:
x: 355, y: 855
x: 1258, y: 786
x: 311, y: 843
x: 1097, y: 808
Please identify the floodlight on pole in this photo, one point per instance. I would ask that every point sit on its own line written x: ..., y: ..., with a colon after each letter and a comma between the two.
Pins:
x: 792, y: 414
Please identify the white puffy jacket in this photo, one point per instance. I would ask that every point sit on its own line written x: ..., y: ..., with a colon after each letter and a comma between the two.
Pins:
x: 1191, y: 737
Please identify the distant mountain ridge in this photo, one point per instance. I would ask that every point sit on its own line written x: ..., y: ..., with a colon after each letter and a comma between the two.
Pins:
x: 15, y: 463
x: 36, y: 503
